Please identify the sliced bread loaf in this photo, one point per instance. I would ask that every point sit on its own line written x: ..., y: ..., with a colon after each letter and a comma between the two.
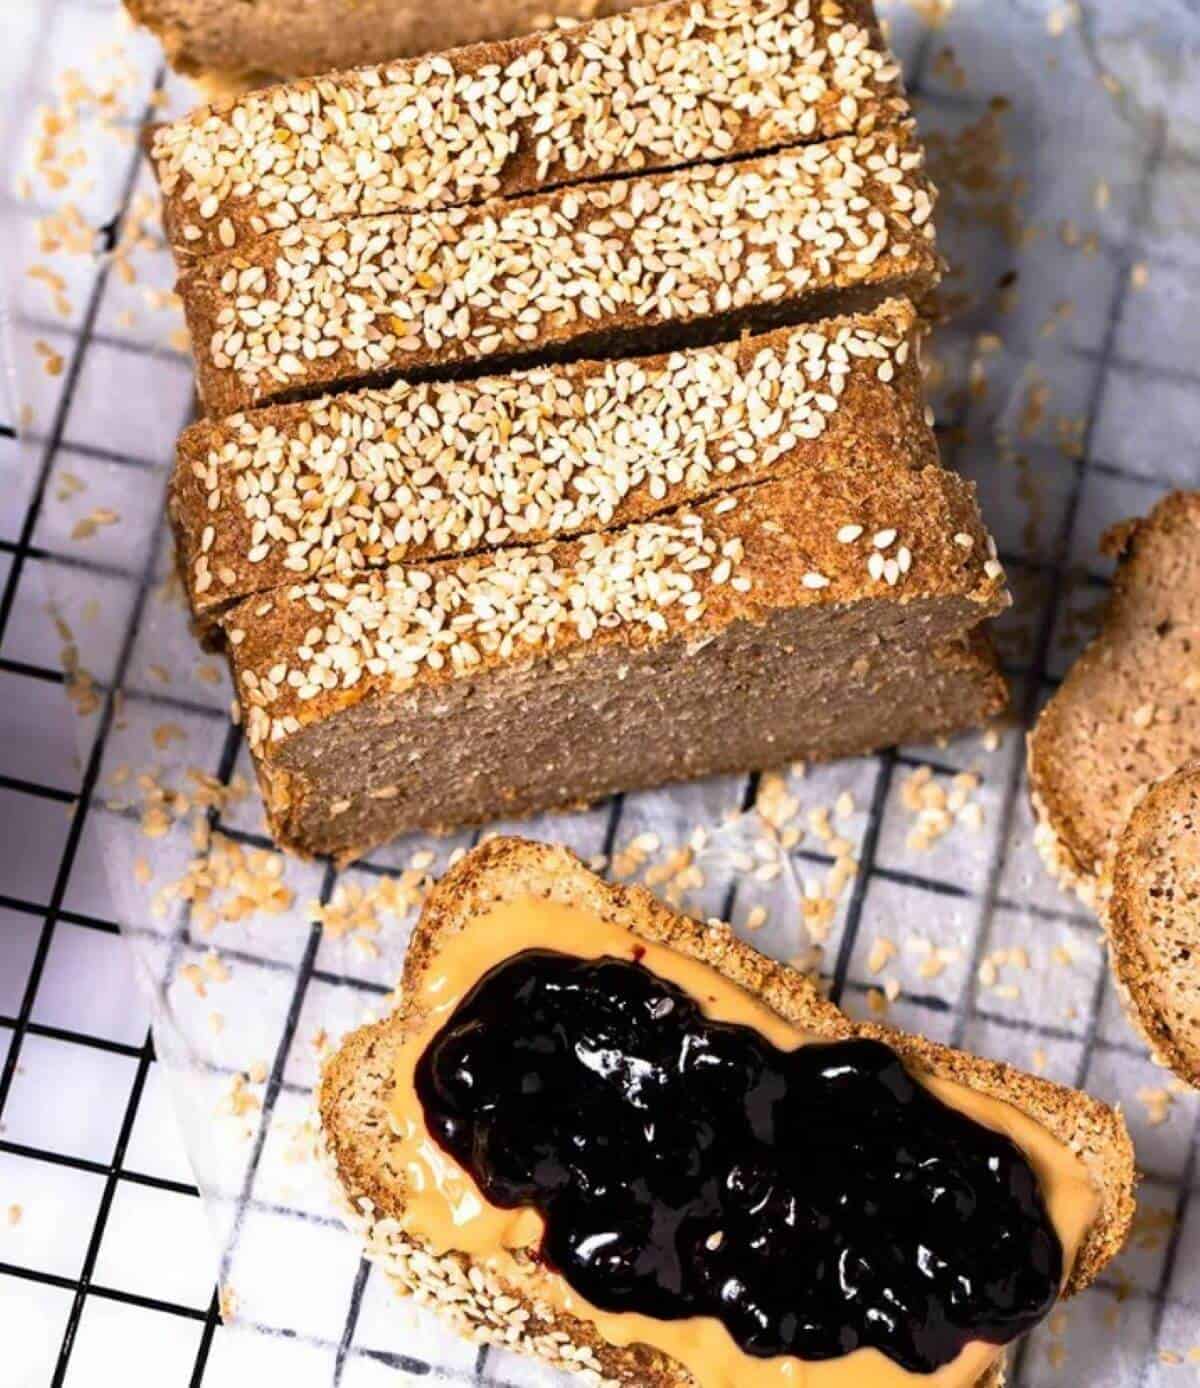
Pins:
x: 663, y: 86
x: 628, y: 265
x: 516, y: 1307
x: 1151, y: 914
x: 331, y: 487
x: 1128, y: 711
x: 749, y: 630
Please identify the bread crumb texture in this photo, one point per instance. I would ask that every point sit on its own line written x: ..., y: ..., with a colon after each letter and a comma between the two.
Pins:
x: 1128, y: 712
x: 303, y: 652
x: 1152, y: 918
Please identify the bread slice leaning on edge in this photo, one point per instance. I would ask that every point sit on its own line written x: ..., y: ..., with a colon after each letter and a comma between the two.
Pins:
x: 1151, y: 914
x: 356, y: 1086
x: 1128, y: 711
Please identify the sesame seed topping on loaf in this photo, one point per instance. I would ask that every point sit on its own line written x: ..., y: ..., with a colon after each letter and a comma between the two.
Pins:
x: 357, y: 1084
x: 401, y: 624
x: 330, y: 487
x: 1152, y: 917
x: 1128, y: 712
x: 608, y: 265
x: 705, y: 639
x: 659, y: 87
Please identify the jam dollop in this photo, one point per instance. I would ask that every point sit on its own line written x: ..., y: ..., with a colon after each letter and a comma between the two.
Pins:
x: 815, y: 1201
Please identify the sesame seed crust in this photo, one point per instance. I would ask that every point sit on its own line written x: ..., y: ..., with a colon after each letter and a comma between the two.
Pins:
x: 327, y: 303
x: 331, y: 487
x: 302, y: 654
x: 659, y: 87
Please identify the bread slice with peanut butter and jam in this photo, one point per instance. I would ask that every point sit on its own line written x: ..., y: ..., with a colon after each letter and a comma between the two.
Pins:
x: 621, y: 1140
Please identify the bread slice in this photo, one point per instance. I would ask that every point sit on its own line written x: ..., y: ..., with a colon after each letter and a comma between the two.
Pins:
x: 607, y: 268
x: 238, y: 42
x: 748, y: 630
x: 1128, y: 712
x: 888, y: 696
x: 663, y: 86
x: 330, y: 487
x: 357, y: 1082
x: 1151, y: 913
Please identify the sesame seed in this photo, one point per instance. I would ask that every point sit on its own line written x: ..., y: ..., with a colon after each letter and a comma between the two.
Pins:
x: 355, y: 298
x: 620, y: 90
x: 848, y: 534
x: 336, y: 486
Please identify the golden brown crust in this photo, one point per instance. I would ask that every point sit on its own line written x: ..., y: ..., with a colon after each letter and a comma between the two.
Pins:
x: 786, y: 532
x: 1129, y: 710
x: 503, y: 119
x: 1151, y: 914
x: 352, y: 1106
x: 330, y: 487
x: 294, y: 38
x: 626, y: 265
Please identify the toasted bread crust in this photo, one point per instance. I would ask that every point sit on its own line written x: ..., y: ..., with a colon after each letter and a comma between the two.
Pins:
x: 1151, y: 915
x: 504, y: 119
x: 356, y: 1083
x: 331, y: 487
x: 1128, y: 712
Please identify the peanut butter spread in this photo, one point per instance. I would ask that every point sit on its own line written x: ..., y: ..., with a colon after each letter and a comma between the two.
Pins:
x: 445, y: 1208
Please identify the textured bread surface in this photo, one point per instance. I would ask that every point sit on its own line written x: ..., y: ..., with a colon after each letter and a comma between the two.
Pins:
x: 751, y: 698
x: 441, y: 694
x: 628, y: 265
x: 660, y: 87
x: 294, y: 38
x: 1151, y: 914
x: 357, y: 1082
x: 330, y: 487
x: 1128, y: 712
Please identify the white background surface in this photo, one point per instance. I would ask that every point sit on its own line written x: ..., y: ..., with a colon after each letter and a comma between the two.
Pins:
x: 109, y: 1275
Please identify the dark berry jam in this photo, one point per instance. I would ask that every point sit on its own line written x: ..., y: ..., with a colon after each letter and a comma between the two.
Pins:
x: 815, y: 1201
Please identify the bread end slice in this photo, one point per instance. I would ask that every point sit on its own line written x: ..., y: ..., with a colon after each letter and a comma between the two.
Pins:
x: 356, y: 1085
x: 1152, y: 917
x: 1129, y: 710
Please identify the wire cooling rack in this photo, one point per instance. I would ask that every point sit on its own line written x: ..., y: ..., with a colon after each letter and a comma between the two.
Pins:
x: 1072, y: 397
